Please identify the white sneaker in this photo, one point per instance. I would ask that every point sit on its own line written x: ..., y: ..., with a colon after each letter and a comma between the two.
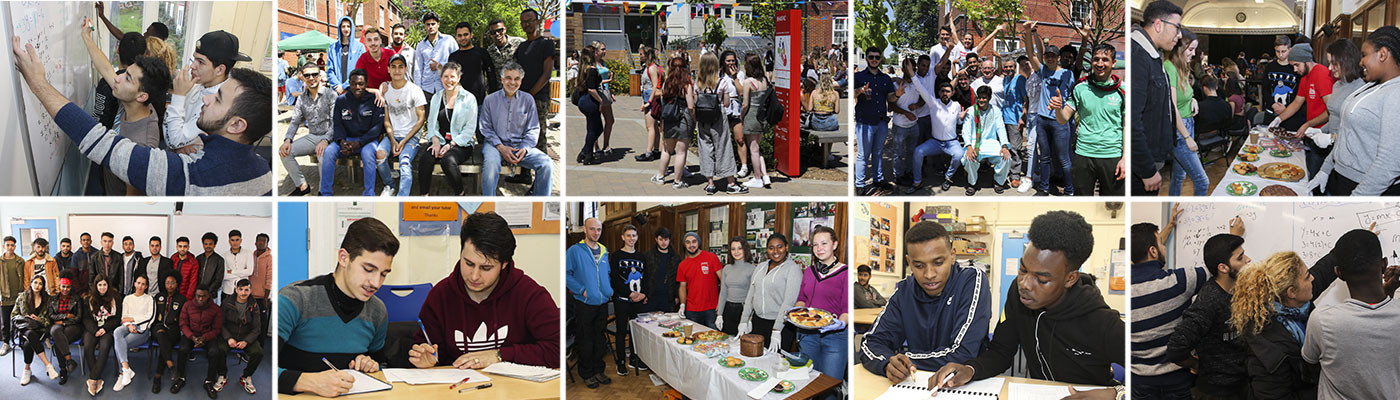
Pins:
x: 754, y: 182
x: 767, y: 181
x: 388, y: 192
x: 743, y: 172
x: 125, y: 379
x: 26, y: 377
x: 219, y: 384
x: 1025, y: 185
x: 53, y: 374
x: 658, y: 179
x: 4, y: 349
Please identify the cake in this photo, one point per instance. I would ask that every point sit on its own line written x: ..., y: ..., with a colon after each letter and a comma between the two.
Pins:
x: 751, y: 345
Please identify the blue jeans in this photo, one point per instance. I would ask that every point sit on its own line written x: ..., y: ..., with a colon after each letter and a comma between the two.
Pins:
x: 1167, y: 392
x: 871, y: 138
x: 706, y: 318
x: 935, y: 146
x: 903, y: 152
x: 122, y: 338
x: 1054, y: 142
x: 999, y: 164
x: 827, y: 350
x: 534, y: 159
x: 405, y: 166
x: 1187, y: 163
x: 367, y: 160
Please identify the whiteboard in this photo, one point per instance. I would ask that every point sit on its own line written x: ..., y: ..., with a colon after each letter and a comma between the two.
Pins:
x: 139, y: 227
x: 50, y: 27
x: 1309, y: 228
x: 194, y: 226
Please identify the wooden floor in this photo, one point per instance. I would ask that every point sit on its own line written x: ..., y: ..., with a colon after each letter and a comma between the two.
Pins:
x: 631, y: 386
x: 1215, y: 171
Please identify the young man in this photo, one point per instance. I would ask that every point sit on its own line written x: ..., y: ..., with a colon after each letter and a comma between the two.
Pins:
x: 156, y: 30
x: 65, y: 253
x: 501, y: 48
x: 487, y: 310
x: 662, y: 264
x: 587, y: 280
x: 141, y: 84
x: 1282, y: 85
x: 865, y: 295
x: 1315, y: 84
x: 129, y: 46
x: 40, y: 262
x: 985, y: 135
x: 698, y: 275
x: 214, y: 56
x: 12, y: 282
x: 211, y: 266
x: 131, y: 264
x: 405, y: 110
x: 358, y: 125
x: 165, y: 326
x: 511, y: 138
x: 1204, y: 341
x: 1054, y: 139
x: 536, y: 54
x: 1160, y: 296
x: 108, y: 262
x: 238, y: 265
x: 315, y: 110
x: 1153, y: 115
x: 237, y: 113
x: 874, y: 91
x: 398, y: 34
x: 478, y: 71
x: 342, y: 55
x: 943, y: 120
x: 1013, y: 105
x: 1055, y: 313
x: 628, y: 273
x: 81, y: 264
x: 242, y: 327
x: 375, y: 61
x: 429, y: 56
x: 927, y: 325
x: 1358, y: 361
x: 336, y: 316
x: 1096, y: 107
x: 200, y: 323
x: 262, y: 279
x: 186, y: 267
x: 155, y: 268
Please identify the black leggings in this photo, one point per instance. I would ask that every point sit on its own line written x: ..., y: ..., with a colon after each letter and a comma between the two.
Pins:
x: 35, y: 344
x: 594, y: 116
x: 166, y: 339
x: 449, y: 162
x: 732, y: 313
x: 63, y: 336
x: 95, y: 351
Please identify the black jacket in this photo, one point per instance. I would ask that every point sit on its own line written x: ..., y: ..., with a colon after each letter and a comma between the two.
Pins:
x: 211, y: 273
x: 242, y: 327
x: 167, y: 312
x: 110, y: 322
x: 75, y: 309
x: 1276, y: 366
x: 112, y: 271
x: 165, y: 267
x: 1205, y: 331
x: 1073, y: 342
x: 663, y: 275
x: 1153, y: 114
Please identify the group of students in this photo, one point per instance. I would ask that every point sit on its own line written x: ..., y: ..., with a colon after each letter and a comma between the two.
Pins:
x: 443, y: 103
x: 487, y: 310
x: 937, y: 318
x: 159, y: 130
x: 696, y: 282
x: 106, y: 298
x: 1035, y: 117
x: 1235, y: 329
x: 1339, y: 104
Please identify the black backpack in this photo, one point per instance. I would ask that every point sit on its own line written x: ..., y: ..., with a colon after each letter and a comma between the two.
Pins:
x: 771, y: 110
x: 707, y: 106
x: 673, y: 111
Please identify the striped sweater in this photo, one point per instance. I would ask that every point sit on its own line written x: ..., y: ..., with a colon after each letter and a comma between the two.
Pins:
x: 316, y: 320
x: 1160, y: 297
x: 222, y: 168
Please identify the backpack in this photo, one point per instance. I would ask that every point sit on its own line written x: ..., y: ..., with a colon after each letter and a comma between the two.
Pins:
x: 707, y: 106
x: 673, y: 111
x: 771, y: 110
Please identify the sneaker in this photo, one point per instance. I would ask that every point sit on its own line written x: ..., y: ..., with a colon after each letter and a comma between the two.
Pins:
x: 176, y: 385
x: 947, y: 185
x: 711, y: 189
x: 125, y: 379
x: 62, y: 376
x: 754, y: 182
x: 591, y: 382
x: 26, y: 377
x: 999, y: 188
x: 388, y: 192
x: 209, y: 388
x: 155, y: 386
x: 247, y: 383
x: 1041, y: 193
x: 737, y: 189
x: 743, y: 170
x: 4, y: 349
x: 637, y: 364
x: 767, y: 181
x: 53, y: 374
x: 295, y: 192
x: 92, y: 388
x: 603, y: 379
x: 72, y: 365
x: 1025, y: 186
x: 658, y: 179
x: 219, y: 384
x: 622, y: 370
x: 971, y: 190
x: 680, y: 184
x: 915, y: 188
x: 1015, y: 182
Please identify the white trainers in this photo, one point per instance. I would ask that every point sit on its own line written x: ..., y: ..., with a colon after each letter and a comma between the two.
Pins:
x: 247, y: 383
x: 1025, y: 185
x: 388, y: 192
x: 219, y: 384
x: 658, y: 179
x: 26, y: 377
x: 754, y: 182
x: 767, y: 180
x: 53, y: 374
x: 4, y: 349
x: 125, y: 379
x: 743, y: 172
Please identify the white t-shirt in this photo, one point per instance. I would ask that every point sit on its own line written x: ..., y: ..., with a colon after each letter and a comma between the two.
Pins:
x: 910, y: 96
x: 945, y: 119
x: 997, y: 88
x: 935, y: 54
x: 959, y: 54
x: 401, y: 105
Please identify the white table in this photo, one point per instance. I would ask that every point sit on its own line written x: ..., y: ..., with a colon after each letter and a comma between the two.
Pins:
x: 1298, y: 158
x: 700, y: 377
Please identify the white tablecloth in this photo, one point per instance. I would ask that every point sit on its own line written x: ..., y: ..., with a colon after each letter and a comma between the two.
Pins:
x: 697, y: 376
x: 1298, y: 158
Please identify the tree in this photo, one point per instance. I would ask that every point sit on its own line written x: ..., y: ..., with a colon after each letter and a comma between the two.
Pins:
x: 990, y: 13
x: 478, y: 14
x: 915, y: 23
x: 1099, y: 26
x: 715, y: 34
x: 871, y: 25
x: 760, y: 22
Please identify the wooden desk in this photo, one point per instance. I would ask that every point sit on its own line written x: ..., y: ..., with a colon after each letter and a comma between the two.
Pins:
x: 502, y: 388
x: 865, y: 316
x: 867, y: 386
x: 816, y: 387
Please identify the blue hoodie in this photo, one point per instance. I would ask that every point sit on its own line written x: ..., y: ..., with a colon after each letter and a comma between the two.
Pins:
x: 931, y: 331
x: 333, y: 66
x: 587, y: 279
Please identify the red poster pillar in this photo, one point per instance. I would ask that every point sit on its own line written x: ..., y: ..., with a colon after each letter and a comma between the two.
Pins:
x: 787, y: 42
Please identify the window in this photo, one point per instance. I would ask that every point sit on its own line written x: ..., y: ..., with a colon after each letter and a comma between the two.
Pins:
x: 1004, y: 46
x: 310, y: 6
x: 127, y: 16
x: 174, y: 14
x: 1079, y: 11
x: 840, y: 29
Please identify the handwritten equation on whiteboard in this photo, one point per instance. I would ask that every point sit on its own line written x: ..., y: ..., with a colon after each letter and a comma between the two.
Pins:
x: 52, y: 28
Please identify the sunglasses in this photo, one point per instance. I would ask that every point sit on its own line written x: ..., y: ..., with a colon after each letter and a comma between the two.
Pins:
x: 873, y: 57
x: 311, y: 75
x: 498, y: 31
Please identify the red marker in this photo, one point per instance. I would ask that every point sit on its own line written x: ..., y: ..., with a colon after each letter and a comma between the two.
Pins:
x: 464, y: 380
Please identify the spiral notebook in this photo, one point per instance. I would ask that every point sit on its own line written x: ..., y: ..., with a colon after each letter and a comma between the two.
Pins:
x: 916, y: 388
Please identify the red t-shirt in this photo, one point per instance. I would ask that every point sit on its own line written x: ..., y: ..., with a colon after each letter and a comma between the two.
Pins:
x: 376, y: 71
x: 702, y: 284
x: 1315, y: 84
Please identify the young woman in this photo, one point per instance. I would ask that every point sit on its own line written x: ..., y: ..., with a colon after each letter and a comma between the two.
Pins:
x: 403, y: 120
x: 165, y: 328
x: 66, y: 325
x: 451, y: 131
x: 825, y: 285
x: 1270, y: 309
x: 1365, y: 159
x: 679, y: 92
x: 734, y: 283
x: 1187, y: 162
x: 754, y: 92
x: 605, y: 77
x: 1344, y: 61
x: 823, y: 106
x: 138, y: 309
x: 730, y: 79
x: 651, y: 84
x: 589, y: 95
x: 716, y: 155
x: 31, y: 323
x: 772, y: 291
x: 101, y: 321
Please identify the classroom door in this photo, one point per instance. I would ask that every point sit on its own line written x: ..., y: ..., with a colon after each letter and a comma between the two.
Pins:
x: 1013, y: 245
x: 291, y: 242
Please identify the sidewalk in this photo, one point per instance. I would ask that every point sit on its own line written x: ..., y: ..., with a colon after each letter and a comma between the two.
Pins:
x: 627, y: 176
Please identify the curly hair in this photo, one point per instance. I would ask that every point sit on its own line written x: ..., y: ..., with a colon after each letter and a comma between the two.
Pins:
x: 1260, y: 286
x: 1064, y: 231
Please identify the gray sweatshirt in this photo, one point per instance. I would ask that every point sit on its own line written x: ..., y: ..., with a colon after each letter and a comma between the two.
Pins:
x: 773, y: 292
x: 1365, y: 152
x: 734, y: 287
x: 1358, y: 357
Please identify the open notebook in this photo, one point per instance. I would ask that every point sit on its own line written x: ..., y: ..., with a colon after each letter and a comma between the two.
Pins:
x: 365, y: 383
x: 521, y: 371
x: 1032, y: 391
x: 916, y: 387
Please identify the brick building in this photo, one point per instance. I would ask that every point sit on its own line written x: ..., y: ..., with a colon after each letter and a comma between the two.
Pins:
x: 298, y: 16
x: 1051, y: 27
x: 827, y: 22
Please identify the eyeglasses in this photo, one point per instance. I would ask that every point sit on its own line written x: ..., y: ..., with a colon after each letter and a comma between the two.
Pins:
x: 498, y: 31
x: 873, y: 57
x: 1178, y: 26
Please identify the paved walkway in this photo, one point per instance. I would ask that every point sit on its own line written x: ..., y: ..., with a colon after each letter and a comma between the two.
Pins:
x: 624, y: 175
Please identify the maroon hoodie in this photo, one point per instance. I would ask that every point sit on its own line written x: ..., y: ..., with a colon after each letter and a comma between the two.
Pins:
x: 519, y: 318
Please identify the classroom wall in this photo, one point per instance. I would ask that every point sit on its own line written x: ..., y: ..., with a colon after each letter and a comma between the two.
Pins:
x: 250, y: 21
x: 61, y: 211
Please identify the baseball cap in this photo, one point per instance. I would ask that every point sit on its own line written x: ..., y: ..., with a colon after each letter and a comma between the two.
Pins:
x: 220, y: 45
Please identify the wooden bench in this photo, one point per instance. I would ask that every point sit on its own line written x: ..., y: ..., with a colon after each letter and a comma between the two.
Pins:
x: 826, y: 139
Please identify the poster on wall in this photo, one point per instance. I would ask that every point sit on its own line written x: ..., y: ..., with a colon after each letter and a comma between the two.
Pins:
x: 760, y: 221
x: 805, y: 219
x: 877, y: 223
x: 348, y: 213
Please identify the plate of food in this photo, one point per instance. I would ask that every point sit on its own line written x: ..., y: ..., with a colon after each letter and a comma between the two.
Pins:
x: 784, y: 387
x: 1251, y: 148
x: 753, y: 374
x: 1249, y: 157
x: 1280, y: 171
x: 1281, y: 153
x: 1277, y: 190
x: 810, y: 317
x: 711, y: 349
x: 710, y: 336
x: 685, y: 341
x: 731, y: 362
x: 1245, y: 169
x: 1242, y: 188
x: 671, y: 334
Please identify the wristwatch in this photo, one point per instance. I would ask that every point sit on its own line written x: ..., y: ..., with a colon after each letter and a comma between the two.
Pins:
x: 1120, y: 392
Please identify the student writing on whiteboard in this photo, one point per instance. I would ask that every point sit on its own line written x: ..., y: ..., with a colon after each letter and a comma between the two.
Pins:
x: 1358, y: 360
x: 336, y: 316
x: 238, y: 265
x: 1161, y: 295
x: 236, y: 115
x: 141, y: 86
x: 214, y: 56
x: 155, y: 29
x: 937, y: 315
x: 1056, y: 316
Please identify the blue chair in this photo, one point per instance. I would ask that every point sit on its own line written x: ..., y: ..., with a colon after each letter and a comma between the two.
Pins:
x: 1118, y: 372
x: 403, y: 307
